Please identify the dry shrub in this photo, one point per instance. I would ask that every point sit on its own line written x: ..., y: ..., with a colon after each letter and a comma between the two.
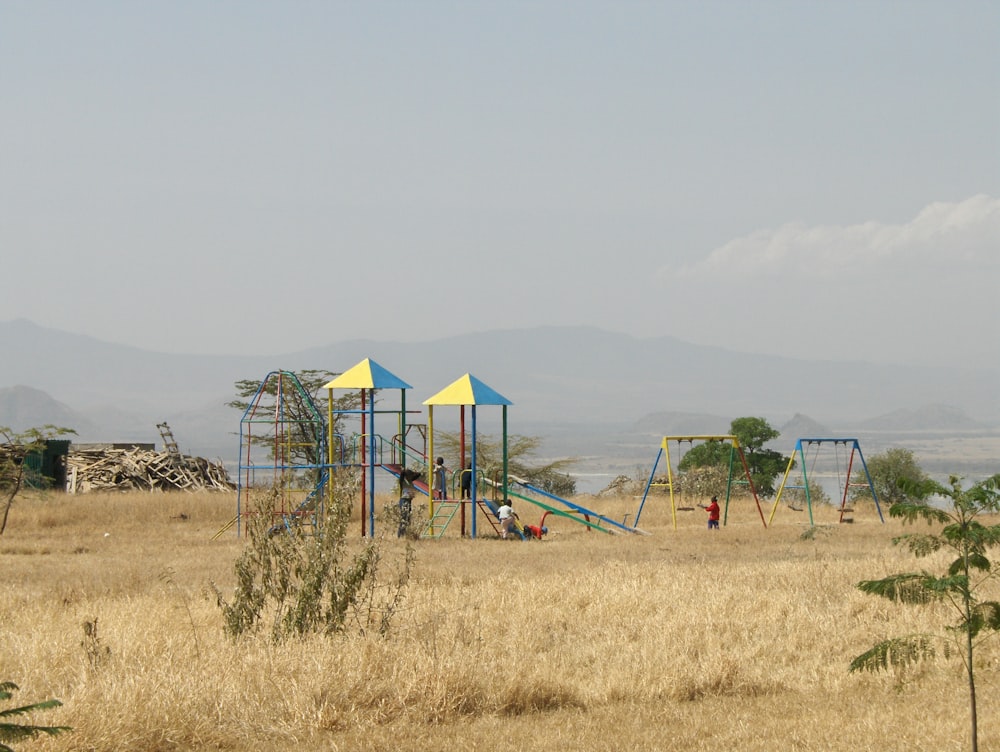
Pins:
x: 725, y: 677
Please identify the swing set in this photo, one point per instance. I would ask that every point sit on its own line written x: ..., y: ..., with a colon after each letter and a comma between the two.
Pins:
x: 735, y: 450
x: 842, y: 455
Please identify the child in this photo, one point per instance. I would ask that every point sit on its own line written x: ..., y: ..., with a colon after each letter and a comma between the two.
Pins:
x: 440, y: 479
x: 535, y: 531
x: 467, y: 482
x: 713, y: 513
x: 406, y: 493
x: 507, y: 516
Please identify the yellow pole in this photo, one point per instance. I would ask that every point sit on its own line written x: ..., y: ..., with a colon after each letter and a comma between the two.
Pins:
x: 430, y: 455
x: 670, y: 483
x: 774, y: 508
x: 329, y: 446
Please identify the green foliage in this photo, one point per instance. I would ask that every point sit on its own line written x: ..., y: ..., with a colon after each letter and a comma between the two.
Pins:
x: 550, y: 477
x: 709, y: 454
x: 966, y: 576
x: 886, y: 470
x: 302, y: 584
x: 895, y: 653
x: 18, y: 732
x: 753, y: 433
x: 15, y: 448
x: 765, y: 465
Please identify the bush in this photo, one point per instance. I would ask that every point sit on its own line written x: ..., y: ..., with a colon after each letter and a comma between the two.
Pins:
x: 306, y: 582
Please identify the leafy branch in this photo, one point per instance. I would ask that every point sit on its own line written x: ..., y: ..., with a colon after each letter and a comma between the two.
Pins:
x: 964, y: 535
x: 17, y: 732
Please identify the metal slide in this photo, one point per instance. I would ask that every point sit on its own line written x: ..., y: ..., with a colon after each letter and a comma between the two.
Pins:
x: 588, y: 513
x: 569, y: 515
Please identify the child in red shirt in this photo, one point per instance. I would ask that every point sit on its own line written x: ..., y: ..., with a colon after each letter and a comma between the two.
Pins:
x: 713, y: 513
x: 536, y: 531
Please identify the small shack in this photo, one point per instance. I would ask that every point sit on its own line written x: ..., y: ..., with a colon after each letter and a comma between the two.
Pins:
x: 47, y: 468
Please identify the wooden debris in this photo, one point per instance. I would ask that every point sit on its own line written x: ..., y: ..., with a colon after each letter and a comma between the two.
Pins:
x: 136, y: 468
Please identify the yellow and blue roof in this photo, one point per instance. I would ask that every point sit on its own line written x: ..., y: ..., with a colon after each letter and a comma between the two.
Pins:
x: 367, y: 375
x: 468, y: 390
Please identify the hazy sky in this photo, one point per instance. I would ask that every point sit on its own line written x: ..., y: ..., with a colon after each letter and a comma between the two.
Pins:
x: 811, y: 179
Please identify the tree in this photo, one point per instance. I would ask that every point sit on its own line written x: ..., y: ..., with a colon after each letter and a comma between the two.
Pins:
x: 764, y: 464
x: 15, y: 732
x: 550, y: 477
x: 712, y: 453
x: 968, y: 540
x: 304, y: 438
x: 14, y: 453
x: 886, y: 470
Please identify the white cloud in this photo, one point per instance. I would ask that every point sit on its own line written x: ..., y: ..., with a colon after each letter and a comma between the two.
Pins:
x: 902, y: 293
x: 964, y: 233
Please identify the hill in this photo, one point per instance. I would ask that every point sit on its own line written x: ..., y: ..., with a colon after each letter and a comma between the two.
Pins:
x: 928, y: 417
x: 22, y: 407
x: 568, y: 384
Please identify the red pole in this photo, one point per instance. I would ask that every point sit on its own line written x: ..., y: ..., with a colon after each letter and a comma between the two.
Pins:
x: 461, y: 477
x: 364, y: 482
x: 847, y: 484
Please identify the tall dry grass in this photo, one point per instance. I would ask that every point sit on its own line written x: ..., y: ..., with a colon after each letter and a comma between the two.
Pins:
x: 680, y: 640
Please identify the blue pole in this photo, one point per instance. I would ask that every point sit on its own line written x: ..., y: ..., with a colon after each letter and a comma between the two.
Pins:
x: 475, y: 505
x: 371, y: 464
x: 652, y: 474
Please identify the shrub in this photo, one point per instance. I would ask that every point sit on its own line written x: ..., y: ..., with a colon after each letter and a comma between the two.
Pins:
x: 308, y: 581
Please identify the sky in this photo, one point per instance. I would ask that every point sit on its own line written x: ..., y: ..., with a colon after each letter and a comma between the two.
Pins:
x: 814, y: 180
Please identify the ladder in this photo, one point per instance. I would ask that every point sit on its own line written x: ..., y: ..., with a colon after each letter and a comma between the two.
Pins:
x: 490, y: 514
x: 176, y: 469
x: 168, y: 442
x: 444, y: 513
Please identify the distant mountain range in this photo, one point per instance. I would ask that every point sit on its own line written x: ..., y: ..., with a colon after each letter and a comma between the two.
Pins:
x: 567, y: 384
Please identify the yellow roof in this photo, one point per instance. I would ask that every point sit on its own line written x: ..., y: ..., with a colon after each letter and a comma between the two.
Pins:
x: 467, y: 390
x: 367, y: 375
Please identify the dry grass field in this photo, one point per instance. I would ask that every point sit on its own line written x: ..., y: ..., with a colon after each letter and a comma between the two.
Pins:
x: 680, y: 640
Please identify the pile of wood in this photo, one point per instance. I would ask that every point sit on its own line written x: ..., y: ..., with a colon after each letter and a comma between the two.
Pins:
x: 136, y: 468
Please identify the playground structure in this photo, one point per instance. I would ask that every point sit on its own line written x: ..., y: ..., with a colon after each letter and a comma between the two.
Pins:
x: 844, y: 483
x: 735, y: 451
x: 291, y: 451
x: 282, y: 416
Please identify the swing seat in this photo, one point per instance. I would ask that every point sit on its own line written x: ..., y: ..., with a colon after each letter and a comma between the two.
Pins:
x: 685, y: 509
x: 794, y: 508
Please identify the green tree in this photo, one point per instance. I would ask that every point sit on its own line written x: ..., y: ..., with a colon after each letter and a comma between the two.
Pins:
x: 16, y: 732
x: 887, y: 469
x: 968, y: 540
x: 711, y: 453
x: 765, y: 465
x: 15, y: 449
